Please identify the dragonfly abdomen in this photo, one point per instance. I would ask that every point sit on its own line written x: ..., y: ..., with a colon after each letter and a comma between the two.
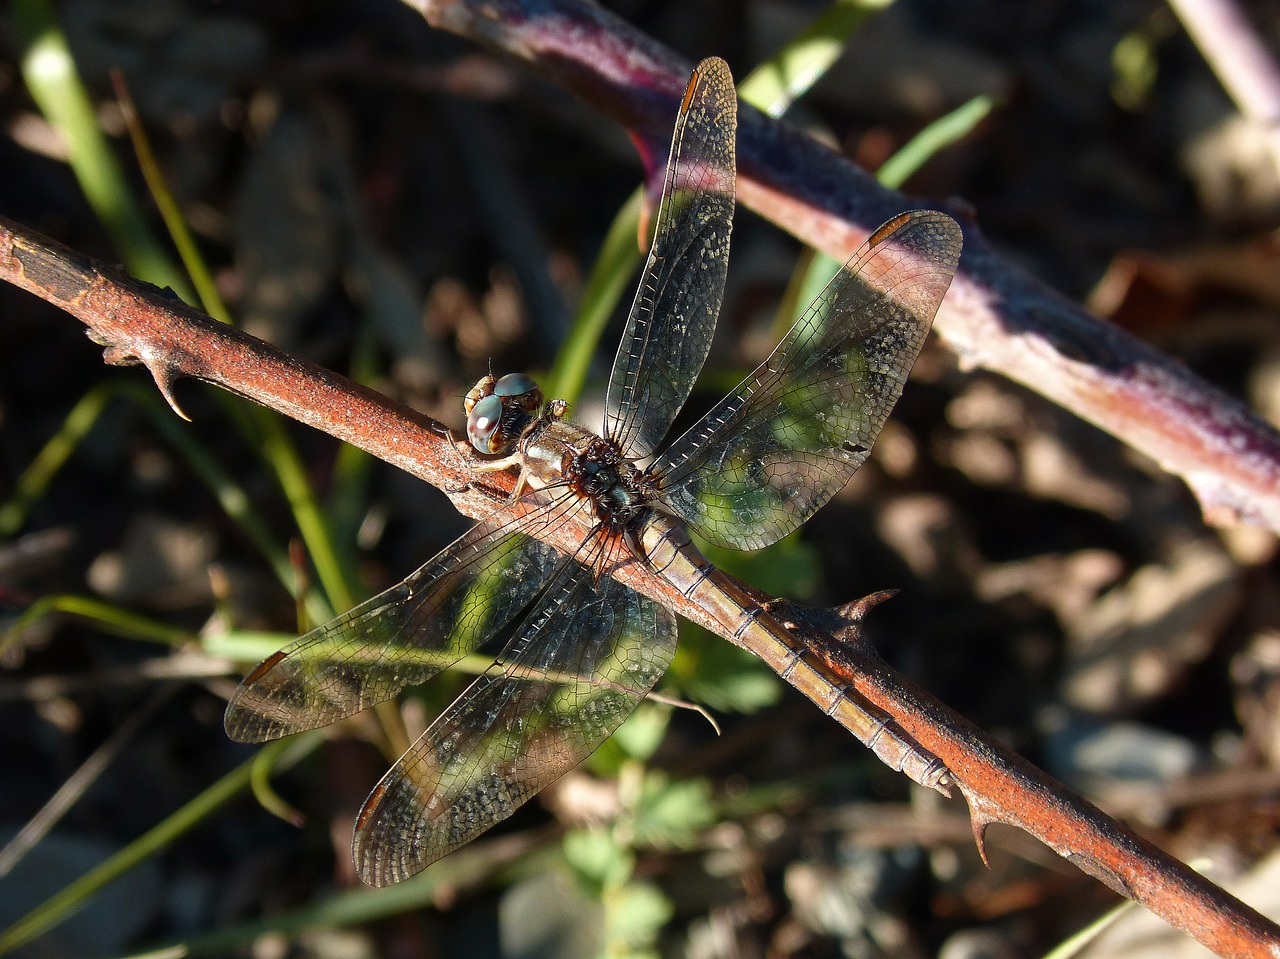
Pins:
x: 665, y: 545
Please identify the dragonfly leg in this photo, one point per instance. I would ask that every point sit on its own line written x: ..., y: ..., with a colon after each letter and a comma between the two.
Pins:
x: 498, y: 465
x: 506, y: 463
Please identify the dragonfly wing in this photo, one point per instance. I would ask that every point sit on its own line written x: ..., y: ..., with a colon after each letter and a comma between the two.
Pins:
x: 673, y: 316
x: 577, y: 667
x: 773, y: 451
x: 401, y: 637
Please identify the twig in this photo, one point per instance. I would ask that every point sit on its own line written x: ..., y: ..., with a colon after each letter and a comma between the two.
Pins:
x: 139, y: 323
x: 996, y: 316
x: 1244, y: 66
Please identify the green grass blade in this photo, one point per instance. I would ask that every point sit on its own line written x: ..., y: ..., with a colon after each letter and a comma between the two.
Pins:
x: 264, y: 765
x: 35, y: 479
x: 778, y: 82
x: 206, y: 290
x: 285, y: 462
x: 494, y: 862
x: 231, y: 496
x: 51, y: 76
x: 610, y: 276
x: 251, y: 646
x: 235, y: 502
x: 1075, y: 944
x: 72, y: 897
x: 279, y: 452
x: 356, y: 907
x: 347, y: 499
x: 933, y: 139
x: 108, y: 618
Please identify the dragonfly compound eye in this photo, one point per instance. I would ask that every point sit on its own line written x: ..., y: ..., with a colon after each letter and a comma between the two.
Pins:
x: 482, y: 424
x: 522, y: 389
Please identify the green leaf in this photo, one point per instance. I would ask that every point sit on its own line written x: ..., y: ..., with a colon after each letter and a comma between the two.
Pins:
x: 598, y: 858
x: 790, y: 567
x: 642, y: 733
x: 634, y: 915
x: 672, y: 813
x: 638, y: 738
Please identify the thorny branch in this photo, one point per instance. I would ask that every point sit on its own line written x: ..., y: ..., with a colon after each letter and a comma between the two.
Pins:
x: 138, y: 323
x: 996, y: 316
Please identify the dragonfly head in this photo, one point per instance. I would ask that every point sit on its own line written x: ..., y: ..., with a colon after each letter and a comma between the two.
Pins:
x: 499, y: 410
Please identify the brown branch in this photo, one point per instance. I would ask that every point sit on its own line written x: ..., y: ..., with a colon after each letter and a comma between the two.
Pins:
x: 996, y: 316
x: 138, y: 323
x: 1001, y: 786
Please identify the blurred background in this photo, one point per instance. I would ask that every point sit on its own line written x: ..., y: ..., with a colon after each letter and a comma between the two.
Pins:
x: 398, y: 205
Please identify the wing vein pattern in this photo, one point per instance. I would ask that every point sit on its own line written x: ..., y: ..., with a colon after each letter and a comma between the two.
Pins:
x: 673, y: 317
x: 581, y: 661
x: 778, y: 447
x: 404, y: 636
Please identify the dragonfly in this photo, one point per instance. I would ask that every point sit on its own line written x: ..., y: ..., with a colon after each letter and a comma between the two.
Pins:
x: 582, y: 649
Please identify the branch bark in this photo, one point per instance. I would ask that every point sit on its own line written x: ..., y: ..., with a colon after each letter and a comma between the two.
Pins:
x: 138, y: 323
x: 996, y: 316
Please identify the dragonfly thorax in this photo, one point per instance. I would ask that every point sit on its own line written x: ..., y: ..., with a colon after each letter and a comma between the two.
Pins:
x: 617, y: 490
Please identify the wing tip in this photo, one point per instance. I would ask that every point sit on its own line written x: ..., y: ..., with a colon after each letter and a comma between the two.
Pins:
x: 377, y: 860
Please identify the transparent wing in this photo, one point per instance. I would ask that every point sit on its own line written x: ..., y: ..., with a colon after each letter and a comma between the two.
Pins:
x: 401, y: 637
x: 674, y: 313
x: 587, y: 654
x: 773, y: 451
